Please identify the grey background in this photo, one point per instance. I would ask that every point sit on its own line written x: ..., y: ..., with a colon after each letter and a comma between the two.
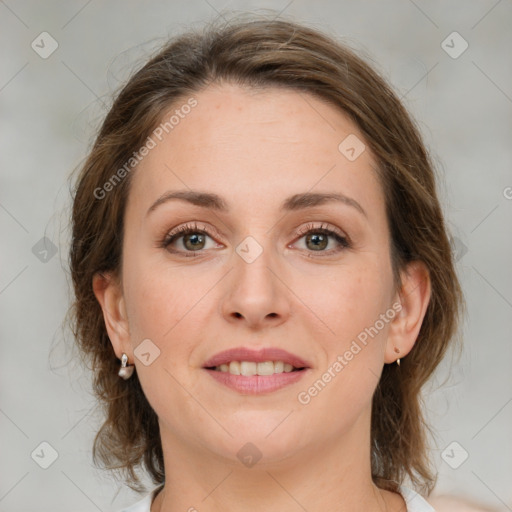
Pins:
x: 50, y: 109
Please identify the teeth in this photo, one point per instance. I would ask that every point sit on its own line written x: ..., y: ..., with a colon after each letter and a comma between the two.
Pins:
x: 234, y: 368
x: 278, y: 367
x: 266, y: 368
x: 249, y: 368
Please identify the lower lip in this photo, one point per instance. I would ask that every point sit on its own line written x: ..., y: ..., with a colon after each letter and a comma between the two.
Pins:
x: 257, y: 384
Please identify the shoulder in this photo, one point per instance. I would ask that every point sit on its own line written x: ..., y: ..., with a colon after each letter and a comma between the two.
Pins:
x: 456, y: 504
x: 414, y: 501
x: 143, y: 505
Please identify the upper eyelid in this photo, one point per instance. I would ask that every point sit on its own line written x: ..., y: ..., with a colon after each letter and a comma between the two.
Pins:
x: 192, y: 225
x: 324, y: 225
x: 201, y: 226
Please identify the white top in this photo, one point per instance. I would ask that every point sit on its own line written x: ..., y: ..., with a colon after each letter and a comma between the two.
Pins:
x: 414, y: 501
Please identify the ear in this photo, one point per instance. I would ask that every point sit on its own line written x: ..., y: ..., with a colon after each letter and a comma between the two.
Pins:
x: 108, y: 292
x: 411, y: 302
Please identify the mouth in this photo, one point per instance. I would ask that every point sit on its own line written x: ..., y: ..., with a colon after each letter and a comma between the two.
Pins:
x: 250, y: 368
x: 252, y: 372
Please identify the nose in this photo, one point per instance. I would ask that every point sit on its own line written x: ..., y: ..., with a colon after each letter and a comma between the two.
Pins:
x: 256, y: 294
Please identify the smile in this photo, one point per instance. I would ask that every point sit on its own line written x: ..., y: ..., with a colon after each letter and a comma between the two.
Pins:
x: 249, y: 368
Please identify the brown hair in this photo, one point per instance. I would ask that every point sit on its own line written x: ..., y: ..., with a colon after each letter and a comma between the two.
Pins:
x: 261, y: 53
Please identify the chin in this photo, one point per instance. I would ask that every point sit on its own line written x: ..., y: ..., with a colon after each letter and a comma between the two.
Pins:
x: 251, y: 446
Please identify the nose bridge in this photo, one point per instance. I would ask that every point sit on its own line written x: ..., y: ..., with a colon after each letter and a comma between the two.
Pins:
x: 253, y: 261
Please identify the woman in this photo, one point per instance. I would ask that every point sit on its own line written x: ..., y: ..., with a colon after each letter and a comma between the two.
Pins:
x: 263, y: 278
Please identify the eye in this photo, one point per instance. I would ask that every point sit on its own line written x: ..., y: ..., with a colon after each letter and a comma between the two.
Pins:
x: 192, y: 239
x: 317, y: 239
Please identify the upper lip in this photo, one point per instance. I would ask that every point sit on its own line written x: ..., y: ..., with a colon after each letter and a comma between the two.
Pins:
x: 257, y: 356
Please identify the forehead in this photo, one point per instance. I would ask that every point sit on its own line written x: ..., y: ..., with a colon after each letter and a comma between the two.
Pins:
x: 249, y: 142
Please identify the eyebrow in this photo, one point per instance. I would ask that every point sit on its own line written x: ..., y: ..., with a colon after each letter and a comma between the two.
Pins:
x: 293, y: 203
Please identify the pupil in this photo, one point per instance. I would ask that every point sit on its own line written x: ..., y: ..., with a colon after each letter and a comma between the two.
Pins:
x: 194, y: 238
x: 316, y: 238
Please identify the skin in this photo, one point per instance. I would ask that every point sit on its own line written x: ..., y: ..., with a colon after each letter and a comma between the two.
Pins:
x: 455, y: 504
x: 255, y: 149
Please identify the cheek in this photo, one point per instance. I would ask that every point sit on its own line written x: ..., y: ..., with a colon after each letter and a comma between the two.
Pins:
x: 354, y: 348
x: 360, y: 314
x: 166, y: 309
x: 166, y: 305
x: 156, y: 294
x: 352, y: 299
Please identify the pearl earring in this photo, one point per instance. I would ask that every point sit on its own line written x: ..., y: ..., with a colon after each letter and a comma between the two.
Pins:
x: 126, y: 370
x: 398, y: 360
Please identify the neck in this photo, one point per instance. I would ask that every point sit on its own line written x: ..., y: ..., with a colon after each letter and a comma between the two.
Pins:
x: 334, y: 475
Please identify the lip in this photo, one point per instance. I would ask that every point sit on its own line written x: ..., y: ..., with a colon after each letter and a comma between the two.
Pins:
x: 257, y: 384
x: 257, y: 356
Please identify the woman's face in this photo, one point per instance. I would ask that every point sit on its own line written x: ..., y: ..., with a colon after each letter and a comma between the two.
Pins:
x: 257, y: 280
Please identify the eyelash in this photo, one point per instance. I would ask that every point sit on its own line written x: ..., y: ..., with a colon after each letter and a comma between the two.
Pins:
x: 309, y: 228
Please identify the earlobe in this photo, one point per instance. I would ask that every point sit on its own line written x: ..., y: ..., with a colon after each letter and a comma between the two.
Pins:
x: 110, y: 297
x: 414, y: 297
